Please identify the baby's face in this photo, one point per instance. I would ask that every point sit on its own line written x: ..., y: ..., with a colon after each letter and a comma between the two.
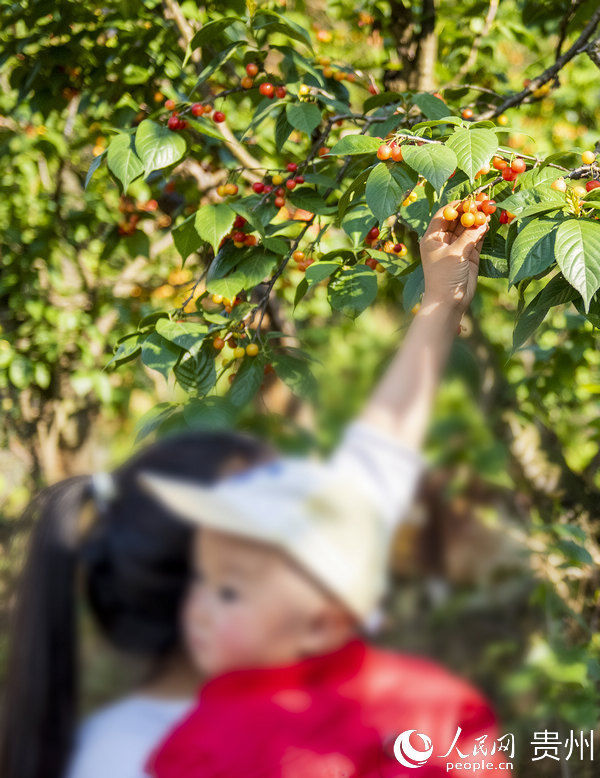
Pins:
x: 249, y: 606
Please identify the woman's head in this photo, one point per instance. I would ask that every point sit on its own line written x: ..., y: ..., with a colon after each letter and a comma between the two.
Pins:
x: 132, y: 561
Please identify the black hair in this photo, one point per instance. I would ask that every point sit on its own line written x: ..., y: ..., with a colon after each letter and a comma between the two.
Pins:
x: 133, y: 565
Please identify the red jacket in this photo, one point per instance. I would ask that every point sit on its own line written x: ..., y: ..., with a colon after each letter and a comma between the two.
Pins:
x: 332, y: 716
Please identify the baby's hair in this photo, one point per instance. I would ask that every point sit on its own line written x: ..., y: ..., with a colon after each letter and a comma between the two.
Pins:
x: 132, y: 562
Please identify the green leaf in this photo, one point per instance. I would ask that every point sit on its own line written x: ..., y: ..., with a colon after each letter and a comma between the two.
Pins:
x: 186, y: 238
x: 311, y: 201
x: 353, y: 193
x: 123, y: 162
x: 433, y: 161
x: 355, y: 144
x: 533, y: 250
x: 286, y: 26
x: 153, y: 419
x: 157, y: 146
x: 318, y: 271
x: 295, y: 372
x: 386, y: 188
x: 431, y: 106
x: 213, y: 222
x: 246, y: 382
x: 303, y: 116
x: 352, y: 290
x: 196, y: 372
x: 96, y: 162
x: 127, y: 350
x: 236, y: 269
x: 556, y: 292
x: 578, y: 256
x: 492, y: 260
x: 301, y: 290
x: 203, y: 126
x: 159, y: 354
x: 413, y: 288
x: 186, y: 335
x: 283, y: 129
x: 473, y: 149
x: 209, y: 413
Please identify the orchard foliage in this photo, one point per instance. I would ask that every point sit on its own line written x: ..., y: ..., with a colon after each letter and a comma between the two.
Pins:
x: 318, y: 177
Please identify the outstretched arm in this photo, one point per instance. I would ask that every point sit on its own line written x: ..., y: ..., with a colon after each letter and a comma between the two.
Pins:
x: 402, y: 401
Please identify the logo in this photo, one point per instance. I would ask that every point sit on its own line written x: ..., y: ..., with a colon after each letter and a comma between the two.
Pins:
x: 408, y: 755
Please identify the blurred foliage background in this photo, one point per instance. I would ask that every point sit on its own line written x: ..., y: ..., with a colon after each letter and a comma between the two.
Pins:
x: 497, y: 567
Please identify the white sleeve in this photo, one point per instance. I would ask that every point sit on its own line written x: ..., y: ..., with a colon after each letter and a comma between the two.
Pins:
x: 381, y: 465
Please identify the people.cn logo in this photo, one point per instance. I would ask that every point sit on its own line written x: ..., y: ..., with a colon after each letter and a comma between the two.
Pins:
x: 408, y: 755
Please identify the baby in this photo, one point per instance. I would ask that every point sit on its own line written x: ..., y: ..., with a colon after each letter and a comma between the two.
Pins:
x: 290, y: 568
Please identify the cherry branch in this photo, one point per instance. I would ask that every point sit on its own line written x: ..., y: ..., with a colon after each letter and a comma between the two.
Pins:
x: 550, y: 73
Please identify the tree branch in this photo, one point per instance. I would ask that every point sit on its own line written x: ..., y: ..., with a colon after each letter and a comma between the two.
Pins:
x: 579, y: 46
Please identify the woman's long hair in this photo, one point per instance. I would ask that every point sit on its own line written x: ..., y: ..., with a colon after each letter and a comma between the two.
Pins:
x: 133, y: 562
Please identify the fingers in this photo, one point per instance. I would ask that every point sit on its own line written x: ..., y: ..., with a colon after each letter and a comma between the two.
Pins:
x: 470, y: 240
x: 438, y: 226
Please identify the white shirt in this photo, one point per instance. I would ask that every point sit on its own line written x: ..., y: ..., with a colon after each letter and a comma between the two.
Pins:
x: 116, y: 741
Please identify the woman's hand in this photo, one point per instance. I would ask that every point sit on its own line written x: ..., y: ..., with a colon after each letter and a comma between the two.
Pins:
x: 450, y: 257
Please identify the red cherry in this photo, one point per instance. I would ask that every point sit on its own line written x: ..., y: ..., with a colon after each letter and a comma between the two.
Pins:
x: 197, y: 109
x: 266, y: 89
x: 504, y: 217
x: 488, y: 207
x: 279, y: 202
x: 299, y: 179
x: 280, y: 92
x: 280, y: 191
x: 518, y: 165
x: 371, y: 262
x: 592, y: 185
x: 173, y: 123
x: 239, y: 222
x: 290, y: 183
x: 508, y: 174
x: 373, y: 233
x: 258, y: 187
x: 268, y: 188
x: 499, y: 163
x: 169, y: 104
x: 218, y: 116
x: 292, y: 167
x: 239, y: 237
x: 182, y: 124
x: 251, y: 69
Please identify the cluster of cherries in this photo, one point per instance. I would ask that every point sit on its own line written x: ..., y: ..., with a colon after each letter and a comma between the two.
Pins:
x: 301, y: 260
x: 560, y: 185
x: 473, y: 212
x: 397, y: 249
x: 509, y: 170
x: 237, y: 234
x: 261, y: 187
x: 250, y: 350
x: 175, y: 121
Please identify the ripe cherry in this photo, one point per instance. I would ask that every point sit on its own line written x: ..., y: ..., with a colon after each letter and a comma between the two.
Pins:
x: 280, y: 191
x: 197, y: 109
x: 277, y: 179
x: 508, y: 174
x: 247, y: 82
x: 371, y: 262
x: 467, y: 219
x: 173, y: 123
x: 280, y: 92
x: 292, y: 167
x: 279, y: 202
x: 480, y: 218
x: 396, y: 152
x: 506, y: 217
x: 592, y: 185
x: 238, y: 237
x: 268, y: 188
x: 249, y: 240
x: 299, y: 179
x: 258, y: 187
x: 252, y: 349
x: 218, y: 116
x: 450, y: 213
x: 384, y: 151
x: 373, y: 233
x: 499, y: 163
x: 323, y: 151
x: 489, y: 207
x: 518, y: 165
x: 218, y: 343
x: 298, y: 256
x: 559, y: 185
x: 290, y: 183
x: 252, y: 69
x: 169, y: 104
x: 266, y: 89
x: 467, y: 113
x: 231, y: 189
x: 238, y: 222
x: 588, y: 157
x: 400, y: 249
